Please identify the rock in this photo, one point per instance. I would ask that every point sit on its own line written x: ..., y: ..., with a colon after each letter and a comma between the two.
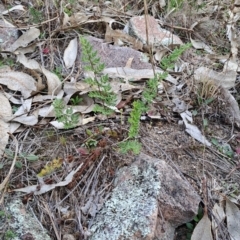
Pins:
x: 149, y: 200
x: 158, y: 36
x: 116, y: 56
x: 22, y: 222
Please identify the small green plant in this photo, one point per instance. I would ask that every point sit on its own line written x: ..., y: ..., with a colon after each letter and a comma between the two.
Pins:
x: 8, y: 61
x: 149, y: 94
x: 169, y: 61
x: 65, y: 115
x: 91, y: 143
x: 134, y: 119
x: 76, y: 100
x: 29, y: 157
x: 151, y: 90
x: 9, y: 234
x: 36, y: 15
x: 223, y: 148
x: 130, y: 145
x: 104, y: 93
x: 58, y: 72
x: 2, y: 214
x: 191, y: 225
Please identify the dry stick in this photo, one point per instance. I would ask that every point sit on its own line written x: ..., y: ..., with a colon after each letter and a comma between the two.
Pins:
x: 205, y: 195
x: 147, y: 36
x: 51, y: 218
x: 5, y: 181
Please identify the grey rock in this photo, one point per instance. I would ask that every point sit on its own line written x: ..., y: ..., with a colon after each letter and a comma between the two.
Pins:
x: 116, y: 56
x: 23, y: 223
x: 150, y: 199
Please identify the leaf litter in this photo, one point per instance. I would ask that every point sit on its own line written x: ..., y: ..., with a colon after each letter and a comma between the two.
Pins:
x: 62, y: 76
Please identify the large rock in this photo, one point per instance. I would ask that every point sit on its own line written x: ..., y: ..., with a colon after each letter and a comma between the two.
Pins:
x: 149, y: 201
x: 23, y: 223
x: 157, y: 36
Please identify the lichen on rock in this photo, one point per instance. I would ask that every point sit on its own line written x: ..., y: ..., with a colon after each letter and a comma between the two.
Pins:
x: 133, y: 204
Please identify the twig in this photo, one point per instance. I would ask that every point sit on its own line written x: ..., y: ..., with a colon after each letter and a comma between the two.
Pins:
x: 5, y: 181
x: 50, y: 215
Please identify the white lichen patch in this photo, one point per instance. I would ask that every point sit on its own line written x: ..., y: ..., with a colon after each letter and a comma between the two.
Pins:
x: 132, y: 205
x: 22, y: 221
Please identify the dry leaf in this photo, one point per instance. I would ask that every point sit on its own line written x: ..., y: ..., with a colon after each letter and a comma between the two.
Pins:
x: 27, y: 120
x: 28, y: 63
x: 201, y: 45
x: 25, y: 39
x: 5, y: 108
x: 12, y: 99
x: 193, y: 130
x: 219, y: 217
x: 24, y: 108
x: 53, y: 81
x: 17, y: 7
x: 134, y: 74
x: 40, y: 189
x: 70, y: 53
x: 203, y: 230
x: 19, y: 81
x: 233, y: 112
x: 233, y: 219
x: 65, y: 19
x: 5, y: 115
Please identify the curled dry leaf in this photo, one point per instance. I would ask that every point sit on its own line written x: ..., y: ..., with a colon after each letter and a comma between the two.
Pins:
x: 85, y: 106
x: 70, y: 53
x: 24, y: 108
x: 21, y: 115
x: 19, y: 81
x: 53, y: 81
x: 43, y: 188
x: 201, y: 45
x: 134, y: 74
x: 193, y: 130
x: 25, y: 39
x: 17, y: 7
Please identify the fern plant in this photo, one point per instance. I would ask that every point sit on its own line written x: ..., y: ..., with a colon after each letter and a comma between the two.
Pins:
x: 148, y: 95
x: 65, y: 115
x: 169, y: 61
x: 104, y: 93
